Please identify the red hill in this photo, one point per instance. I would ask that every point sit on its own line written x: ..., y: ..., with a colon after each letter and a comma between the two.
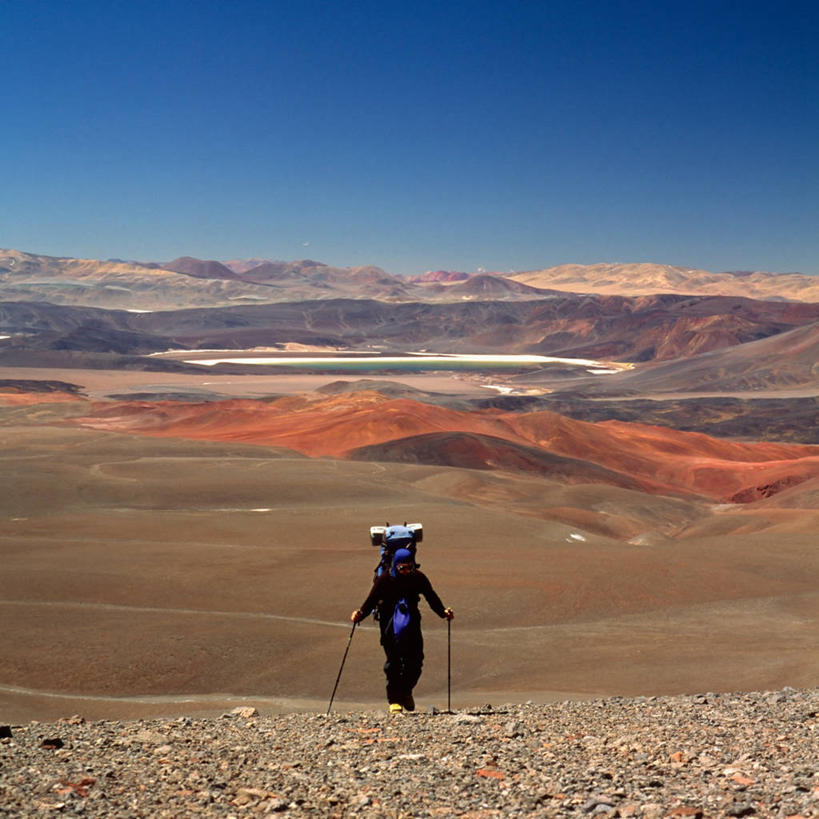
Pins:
x: 371, y: 426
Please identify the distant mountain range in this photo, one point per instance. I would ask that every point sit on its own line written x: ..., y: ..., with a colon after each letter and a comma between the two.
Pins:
x: 190, y: 282
x: 649, y: 328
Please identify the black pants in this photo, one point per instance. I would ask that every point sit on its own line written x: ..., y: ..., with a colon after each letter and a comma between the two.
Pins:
x: 405, y: 659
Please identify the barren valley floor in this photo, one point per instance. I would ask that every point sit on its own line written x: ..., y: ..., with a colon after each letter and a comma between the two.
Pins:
x: 156, y: 576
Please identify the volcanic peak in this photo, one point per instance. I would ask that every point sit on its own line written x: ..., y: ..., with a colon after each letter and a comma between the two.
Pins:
x: 200, y: 269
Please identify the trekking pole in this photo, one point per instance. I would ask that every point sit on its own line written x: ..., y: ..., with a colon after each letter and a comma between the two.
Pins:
x: 448, y: 666
x: 332, y: 696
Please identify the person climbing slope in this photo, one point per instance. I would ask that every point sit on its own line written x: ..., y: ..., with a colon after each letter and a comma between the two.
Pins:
x: 395, y: 595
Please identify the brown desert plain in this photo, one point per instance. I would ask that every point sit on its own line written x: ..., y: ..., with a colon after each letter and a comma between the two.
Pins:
x: 164, y: 557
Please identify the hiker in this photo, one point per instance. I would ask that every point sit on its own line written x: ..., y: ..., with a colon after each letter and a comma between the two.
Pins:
x: 395, y: 595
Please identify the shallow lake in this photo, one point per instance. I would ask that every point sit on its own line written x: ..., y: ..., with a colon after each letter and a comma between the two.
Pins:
x: 411, y: 362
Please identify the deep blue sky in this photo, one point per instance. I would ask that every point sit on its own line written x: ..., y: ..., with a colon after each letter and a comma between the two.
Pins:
x: 414, y: 135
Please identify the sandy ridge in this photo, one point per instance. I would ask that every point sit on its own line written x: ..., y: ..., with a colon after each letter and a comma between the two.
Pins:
x: 643, y: 278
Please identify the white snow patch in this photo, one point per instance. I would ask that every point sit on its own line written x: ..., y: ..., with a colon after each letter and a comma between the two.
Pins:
x: 576, y: 536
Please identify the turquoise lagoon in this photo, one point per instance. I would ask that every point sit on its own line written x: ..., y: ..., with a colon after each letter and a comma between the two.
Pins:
x: 410, y: 362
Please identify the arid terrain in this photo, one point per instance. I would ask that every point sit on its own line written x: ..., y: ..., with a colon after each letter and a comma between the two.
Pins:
x: 184, y: 539
x: 706, y: 755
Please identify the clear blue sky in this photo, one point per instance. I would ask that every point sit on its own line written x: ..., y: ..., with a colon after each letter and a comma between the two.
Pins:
x: 413, y: 135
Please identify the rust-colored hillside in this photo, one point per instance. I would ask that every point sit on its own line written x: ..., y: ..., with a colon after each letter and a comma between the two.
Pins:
x: 371, y: 426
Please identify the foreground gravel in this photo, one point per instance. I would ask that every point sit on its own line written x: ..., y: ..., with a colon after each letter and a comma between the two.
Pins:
x: 708, y: 755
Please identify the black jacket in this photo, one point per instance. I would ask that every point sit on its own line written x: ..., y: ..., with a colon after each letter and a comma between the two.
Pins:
x: 388, y: 590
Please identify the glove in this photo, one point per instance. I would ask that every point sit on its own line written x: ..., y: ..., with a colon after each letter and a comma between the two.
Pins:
x: 449, y: 614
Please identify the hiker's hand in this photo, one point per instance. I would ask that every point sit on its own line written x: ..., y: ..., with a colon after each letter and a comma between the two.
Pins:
x: 357, y: 616
x: 449, y: 614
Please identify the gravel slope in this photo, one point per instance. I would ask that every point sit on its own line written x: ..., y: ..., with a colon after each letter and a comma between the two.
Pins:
x: 750, y: 754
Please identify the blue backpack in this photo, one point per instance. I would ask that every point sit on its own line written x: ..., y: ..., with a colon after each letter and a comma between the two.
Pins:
x: 390, y: 538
